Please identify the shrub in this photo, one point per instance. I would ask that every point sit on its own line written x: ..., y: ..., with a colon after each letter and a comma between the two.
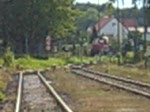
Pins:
x: 8, y: 57
x: 129, y: 57
x: 2, y: 89
x: 1, y: 61
x: 104, y: 59
x: 2, y: 96
x: 36, y: 64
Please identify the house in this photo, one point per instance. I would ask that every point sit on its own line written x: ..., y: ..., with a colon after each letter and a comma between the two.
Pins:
x: 109, y: 26
x: 141, y: 29
x: 130, y: 24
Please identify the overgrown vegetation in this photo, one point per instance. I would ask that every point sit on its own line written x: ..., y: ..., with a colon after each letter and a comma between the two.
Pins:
x: 4, y: 78
x: 134, y: 72
x: 85, y: 95
x: 59, y: 59
x: 2, y: 89
x: 8, y: 58
x: 25, y: 25
x: 33, y: 63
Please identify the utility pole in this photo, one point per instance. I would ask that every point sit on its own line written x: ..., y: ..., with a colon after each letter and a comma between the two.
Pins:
x: 99, y: 31
x: 145, y: 31
x: 99, y: 24
x: 118, y: 33
x: 26, y: 45
x: 145, y: 25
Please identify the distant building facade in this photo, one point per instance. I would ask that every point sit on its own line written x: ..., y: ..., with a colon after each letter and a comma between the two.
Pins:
x: 109, y: 26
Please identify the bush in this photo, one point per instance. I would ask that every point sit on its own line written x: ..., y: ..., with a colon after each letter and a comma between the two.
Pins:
x: 2, y: 96
x: 129, y: 57
x: 74, y: 60
x: 8, y: 57
x: 2, y: 89
x: 1, y: 61
x: 36, y: 64
x: 105, y: 59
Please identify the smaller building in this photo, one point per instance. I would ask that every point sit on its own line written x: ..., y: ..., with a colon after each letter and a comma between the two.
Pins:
x: 111, y: 27
x: 141, y: 30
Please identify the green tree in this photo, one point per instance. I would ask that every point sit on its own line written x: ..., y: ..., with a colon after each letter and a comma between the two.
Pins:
x: 25, y: 23
x: 87, y: 19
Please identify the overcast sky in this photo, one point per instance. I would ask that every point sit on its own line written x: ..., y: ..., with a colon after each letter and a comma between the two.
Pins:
x: 128, y: 3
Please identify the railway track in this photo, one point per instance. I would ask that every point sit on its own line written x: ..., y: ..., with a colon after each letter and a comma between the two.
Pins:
x: 35, y: 94
x: 133, y: 86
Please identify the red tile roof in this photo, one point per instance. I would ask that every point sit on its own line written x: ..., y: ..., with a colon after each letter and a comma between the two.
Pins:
x: 129, y: 23
x: 101, y: 23
x: 126, y: 22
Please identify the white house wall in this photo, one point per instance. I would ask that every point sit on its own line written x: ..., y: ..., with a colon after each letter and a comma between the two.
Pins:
x: 147, y: 36
x: 110, y: 29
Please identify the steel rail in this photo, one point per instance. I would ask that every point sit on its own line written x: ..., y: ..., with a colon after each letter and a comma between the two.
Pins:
x: 118, y: 78
x: 96, y: 78
x: 19, y: 93
x: 54, y: 93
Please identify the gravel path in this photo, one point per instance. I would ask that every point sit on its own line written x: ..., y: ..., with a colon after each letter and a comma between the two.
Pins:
x: 36, y: 98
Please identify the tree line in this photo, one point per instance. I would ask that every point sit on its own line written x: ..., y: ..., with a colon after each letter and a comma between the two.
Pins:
x: 24, y: 24
x: 93, y: 12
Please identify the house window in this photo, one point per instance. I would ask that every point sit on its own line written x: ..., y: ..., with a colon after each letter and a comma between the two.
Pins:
x: 113, y: 24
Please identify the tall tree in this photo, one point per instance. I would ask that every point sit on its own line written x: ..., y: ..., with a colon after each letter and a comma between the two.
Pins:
x: 27, y: 22
x: 87, y: 19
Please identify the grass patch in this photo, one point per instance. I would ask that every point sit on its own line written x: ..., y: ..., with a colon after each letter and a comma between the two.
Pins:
x: 128, y: 72
x: 79, y: 60
x: 32, y: 63
x: 2, y: 89
x: 2, y: 96
x: 1, y: 61
x: 85, y: 95
x: 4, y: 78
x: 2, y: 85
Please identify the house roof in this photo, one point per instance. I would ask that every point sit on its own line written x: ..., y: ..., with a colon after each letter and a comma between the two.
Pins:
x: 101, y: 23
x: 128, y: 23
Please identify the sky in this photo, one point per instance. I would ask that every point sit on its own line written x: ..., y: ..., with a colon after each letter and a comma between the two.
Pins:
x: 127, y: 3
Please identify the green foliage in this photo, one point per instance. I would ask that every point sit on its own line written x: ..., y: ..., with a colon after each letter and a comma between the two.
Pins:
x: 27, y: 23
x: 74, y: 60
x: 32, y: 63
x: 8, y: 58
x: 80, y: 60
x: 1, y: 61
x: 2, y: 96
x: 107, y: 59
x: 129, y: 57
x: 91, y: 13
x: 2, y: 89
x: 138, y: 56
x: 114, y: 44
x: 110, y: 9
x: 2, y: 86
x: 115, y: 60
x: 88, y: 18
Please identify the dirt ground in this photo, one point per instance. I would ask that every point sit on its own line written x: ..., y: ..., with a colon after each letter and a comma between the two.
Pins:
x: 84, y: 95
